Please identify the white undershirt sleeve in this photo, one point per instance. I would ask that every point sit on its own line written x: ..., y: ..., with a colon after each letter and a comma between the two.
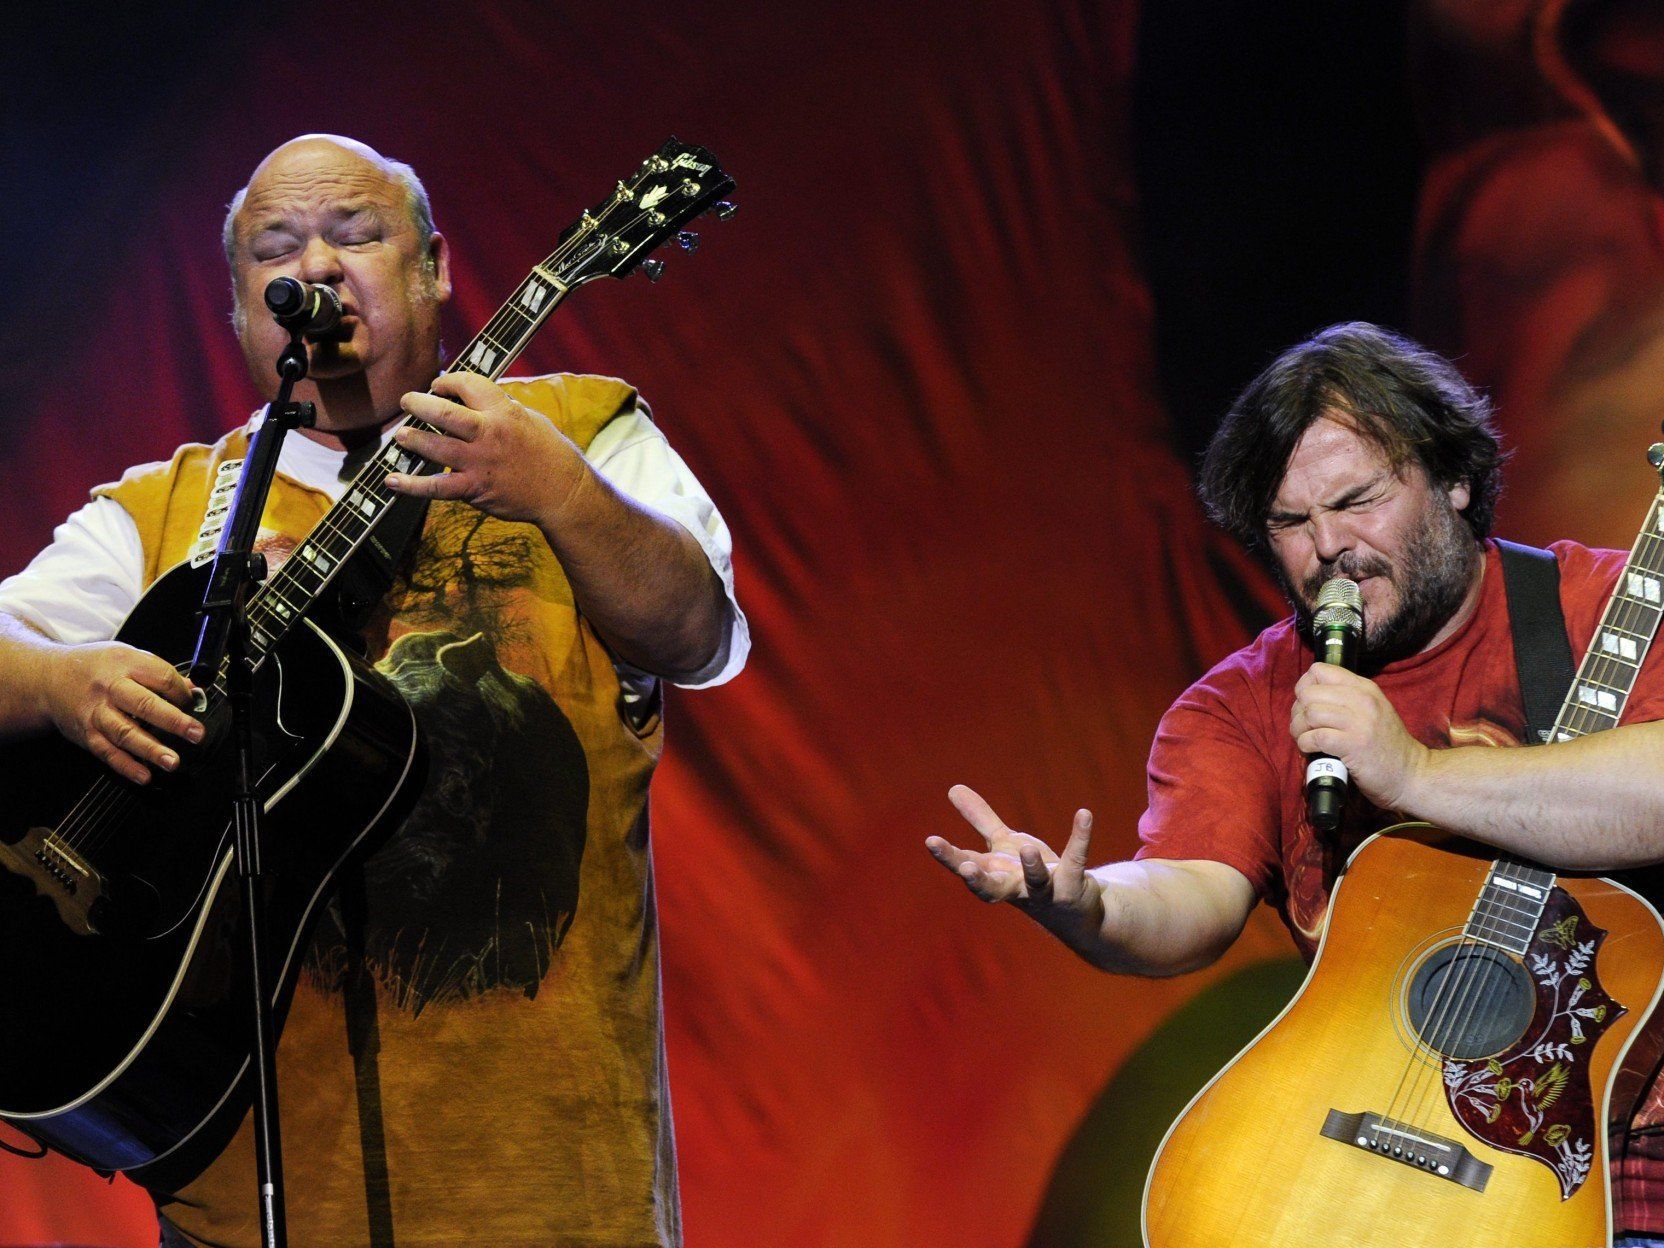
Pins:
x: 632, y: 454
x: 81, y: 587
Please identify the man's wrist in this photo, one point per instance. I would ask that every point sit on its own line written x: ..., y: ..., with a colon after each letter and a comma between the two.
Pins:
x: 44, y: 663
x: 1421, y: 781
x: 1081, y: 926
x: 564, y: 509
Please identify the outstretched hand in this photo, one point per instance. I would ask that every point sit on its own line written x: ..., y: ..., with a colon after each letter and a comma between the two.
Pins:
x: 1023, y: 870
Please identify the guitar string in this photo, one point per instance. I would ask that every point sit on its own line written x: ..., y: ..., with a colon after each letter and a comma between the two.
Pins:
x: 1469, y: 966
x: 1423, y: 1053
x: 1465, y: 970
x: 123, y: 795
x: 112, y: 796
x: 1426, y: 1053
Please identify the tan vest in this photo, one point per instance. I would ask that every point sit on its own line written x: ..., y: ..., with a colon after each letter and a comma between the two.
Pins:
x: 518, y: 1094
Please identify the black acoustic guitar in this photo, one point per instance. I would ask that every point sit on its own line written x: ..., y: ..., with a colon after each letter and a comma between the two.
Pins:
x: 123, y: 1037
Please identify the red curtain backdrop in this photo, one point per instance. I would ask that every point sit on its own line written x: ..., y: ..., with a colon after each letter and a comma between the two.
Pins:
x: 917, y: 373
x: 1540, y: 244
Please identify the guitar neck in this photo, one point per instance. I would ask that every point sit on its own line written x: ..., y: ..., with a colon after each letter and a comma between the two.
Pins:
x: 1613, y: 661
x: 671, y: 187
x: 1510, y: 905
x: 315, y: 563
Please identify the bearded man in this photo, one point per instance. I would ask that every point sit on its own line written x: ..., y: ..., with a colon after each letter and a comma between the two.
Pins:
x: 476, y: 1055
x: 1356, y: 454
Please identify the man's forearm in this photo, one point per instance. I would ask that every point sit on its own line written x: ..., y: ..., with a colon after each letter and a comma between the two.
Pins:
x: 25, y: 664
x: 1157, y: 922
x: 640, y: 578
x: 1594, y: 803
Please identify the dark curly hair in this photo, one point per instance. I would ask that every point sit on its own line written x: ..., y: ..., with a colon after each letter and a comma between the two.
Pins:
x: 1407, y: 400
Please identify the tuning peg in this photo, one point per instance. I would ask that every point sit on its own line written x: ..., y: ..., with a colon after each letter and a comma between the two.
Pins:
x: 688, y: 241
x: 722, y: 209
x: 653, y: 268
x: 1655, y: 454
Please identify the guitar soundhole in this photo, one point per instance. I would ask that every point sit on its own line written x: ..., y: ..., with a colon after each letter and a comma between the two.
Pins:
x: 1470, y: 1001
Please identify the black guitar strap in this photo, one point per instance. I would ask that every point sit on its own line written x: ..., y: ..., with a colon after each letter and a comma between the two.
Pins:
x: 1542, y: 653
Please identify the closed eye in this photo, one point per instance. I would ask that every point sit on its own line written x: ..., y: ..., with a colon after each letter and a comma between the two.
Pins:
x: 268, y: 247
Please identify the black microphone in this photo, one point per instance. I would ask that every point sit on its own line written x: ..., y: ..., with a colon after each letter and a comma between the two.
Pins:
x: 311, y: 307
x: 1337, y: 625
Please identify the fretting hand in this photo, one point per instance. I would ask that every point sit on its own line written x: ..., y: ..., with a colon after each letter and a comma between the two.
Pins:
x: 503, y: 457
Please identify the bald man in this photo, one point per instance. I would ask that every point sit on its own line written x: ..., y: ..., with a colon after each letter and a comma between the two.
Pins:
x: 502, y: 951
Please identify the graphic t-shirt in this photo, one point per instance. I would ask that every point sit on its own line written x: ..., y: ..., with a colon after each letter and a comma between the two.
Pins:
x: 487, y: 1067
x: 1226, y: 780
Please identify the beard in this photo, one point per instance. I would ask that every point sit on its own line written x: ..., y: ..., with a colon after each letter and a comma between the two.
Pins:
x: 1431, y: 578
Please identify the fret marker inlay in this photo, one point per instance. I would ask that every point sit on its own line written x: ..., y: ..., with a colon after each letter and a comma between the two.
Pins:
x: 1597, y: 697
x: 1623, y: 647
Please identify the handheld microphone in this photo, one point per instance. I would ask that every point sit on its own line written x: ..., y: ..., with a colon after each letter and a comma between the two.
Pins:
x: 1337, y: 625
x: 311, y: 307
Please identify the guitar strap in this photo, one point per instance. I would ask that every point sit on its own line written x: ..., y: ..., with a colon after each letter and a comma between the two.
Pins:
x: 1542, y: 652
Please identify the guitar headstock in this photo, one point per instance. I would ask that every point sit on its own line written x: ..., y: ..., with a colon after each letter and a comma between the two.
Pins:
x: 672, y: 187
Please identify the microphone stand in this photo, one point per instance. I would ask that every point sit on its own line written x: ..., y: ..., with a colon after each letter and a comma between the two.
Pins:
x: 237, y: 570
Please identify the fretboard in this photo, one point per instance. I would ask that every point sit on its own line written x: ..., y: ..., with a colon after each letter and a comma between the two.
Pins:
x: 1613, y: 660
x: 1510, y: 906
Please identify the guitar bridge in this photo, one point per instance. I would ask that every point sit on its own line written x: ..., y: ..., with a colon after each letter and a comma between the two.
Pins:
x: 1422, y: 1150
x: 59, y: 874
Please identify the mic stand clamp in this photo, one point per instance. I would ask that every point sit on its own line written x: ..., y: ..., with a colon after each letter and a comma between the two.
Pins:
x: 223, y: 643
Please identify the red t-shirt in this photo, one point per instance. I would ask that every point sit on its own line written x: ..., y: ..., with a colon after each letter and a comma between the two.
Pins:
x: 1226, y: 781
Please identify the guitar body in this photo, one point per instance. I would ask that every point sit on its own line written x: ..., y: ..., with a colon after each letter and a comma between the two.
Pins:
x: 125, y: 1000
x: 1496, y: 1069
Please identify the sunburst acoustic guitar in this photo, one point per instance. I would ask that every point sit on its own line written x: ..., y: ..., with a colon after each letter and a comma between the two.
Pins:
x: 1444, y: 1076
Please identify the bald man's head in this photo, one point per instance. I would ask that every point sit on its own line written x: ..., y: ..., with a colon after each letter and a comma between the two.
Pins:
x: 331, y: 211
x: 416, y: 195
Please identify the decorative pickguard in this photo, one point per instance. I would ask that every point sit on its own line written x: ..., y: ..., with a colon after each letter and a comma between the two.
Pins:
x: 1534, y: 1098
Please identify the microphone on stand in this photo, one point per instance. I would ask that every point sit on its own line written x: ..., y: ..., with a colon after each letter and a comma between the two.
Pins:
x: 311, y: 307
x: 1338, y: 626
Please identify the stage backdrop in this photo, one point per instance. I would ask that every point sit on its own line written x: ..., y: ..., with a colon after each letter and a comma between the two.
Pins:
x: 918, y: 373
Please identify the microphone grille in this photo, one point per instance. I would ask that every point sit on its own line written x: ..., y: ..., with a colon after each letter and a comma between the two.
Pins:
x: 1340, y: 604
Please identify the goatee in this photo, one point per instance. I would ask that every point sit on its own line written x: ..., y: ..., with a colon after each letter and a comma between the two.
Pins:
x: 1432, y: 576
